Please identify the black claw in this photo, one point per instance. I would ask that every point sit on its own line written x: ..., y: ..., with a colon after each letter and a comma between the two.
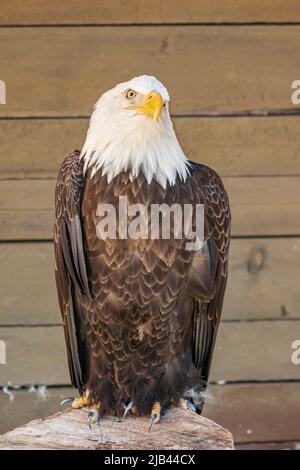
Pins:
x: 128, y: 408
x: 90, y: 417
x: 190, y: 406
x: 151, y: 421
x: 66, y: 400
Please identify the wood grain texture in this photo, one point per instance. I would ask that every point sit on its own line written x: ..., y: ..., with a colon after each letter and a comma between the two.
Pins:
x: 26, y: 209
x: 255, y: 351
x: 25, y: 405
x: 257, y: 412
x: 146, y: 11
x: 244, y: 351
x: 263, y: 279
x: 247, y: 146
x: 69, y: 430
x: 247, y: 351
x: 271, y: 412
x: 72, y: 67
x: 264, y: 206
x: 30, y: 267
x: 271, y: 292
x: 260, y: 206
x: 34, y: 355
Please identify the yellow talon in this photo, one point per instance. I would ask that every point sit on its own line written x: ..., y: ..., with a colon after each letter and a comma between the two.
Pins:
x: 156, y: 408
x: 155, y: 415
x: 80, y: 402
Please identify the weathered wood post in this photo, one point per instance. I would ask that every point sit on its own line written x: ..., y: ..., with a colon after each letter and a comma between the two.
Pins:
x: 178, y: 429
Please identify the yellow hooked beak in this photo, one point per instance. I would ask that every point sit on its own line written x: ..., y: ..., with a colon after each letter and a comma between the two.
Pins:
x: 152, y: 106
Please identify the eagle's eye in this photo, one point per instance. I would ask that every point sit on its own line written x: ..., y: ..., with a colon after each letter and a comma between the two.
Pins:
x: 130, y: 94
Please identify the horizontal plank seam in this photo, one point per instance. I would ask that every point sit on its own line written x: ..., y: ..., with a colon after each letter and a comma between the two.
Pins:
x: 231, y: 320
x: 24, y: 388
x: 254, y: 381
x: 40, y: 177
x: 51, y: 208
x: 31, y: 325
x: 153, y: 24
x: 282, y: 112
x: 273, y: 441
x: 28, y: 209
x: 21, y: 241
x: 233, y: 237
x: 236, y: 384
x: 258, y: 320
x: 263, y: 237
x: 46, y: 178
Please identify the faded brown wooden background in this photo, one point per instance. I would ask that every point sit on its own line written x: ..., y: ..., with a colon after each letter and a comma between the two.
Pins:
x: 228, y: 66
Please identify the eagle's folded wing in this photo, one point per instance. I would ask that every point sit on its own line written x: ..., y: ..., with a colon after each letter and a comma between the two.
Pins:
x: 208, y: 185
x: 70, y: 269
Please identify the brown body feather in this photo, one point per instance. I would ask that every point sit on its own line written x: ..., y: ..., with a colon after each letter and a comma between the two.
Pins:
x: 140, y: 316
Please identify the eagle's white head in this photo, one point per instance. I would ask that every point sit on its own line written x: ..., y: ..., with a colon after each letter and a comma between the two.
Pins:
x: 131, y: 129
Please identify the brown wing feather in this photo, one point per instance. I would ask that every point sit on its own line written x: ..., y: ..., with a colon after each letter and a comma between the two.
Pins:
x: 70, y: 269
x: 207, y: 315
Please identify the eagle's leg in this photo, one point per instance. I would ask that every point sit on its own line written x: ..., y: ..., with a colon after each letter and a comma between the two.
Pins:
x: 94, y: 415
x: 155, y: 415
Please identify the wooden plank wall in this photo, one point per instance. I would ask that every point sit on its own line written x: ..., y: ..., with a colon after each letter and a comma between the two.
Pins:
x: 229, y: 68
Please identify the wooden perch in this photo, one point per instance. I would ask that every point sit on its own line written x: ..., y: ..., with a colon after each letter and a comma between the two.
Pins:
x: 178, y: 429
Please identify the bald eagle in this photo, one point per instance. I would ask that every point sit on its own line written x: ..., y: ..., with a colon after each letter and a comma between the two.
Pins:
x: 140, y: 314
